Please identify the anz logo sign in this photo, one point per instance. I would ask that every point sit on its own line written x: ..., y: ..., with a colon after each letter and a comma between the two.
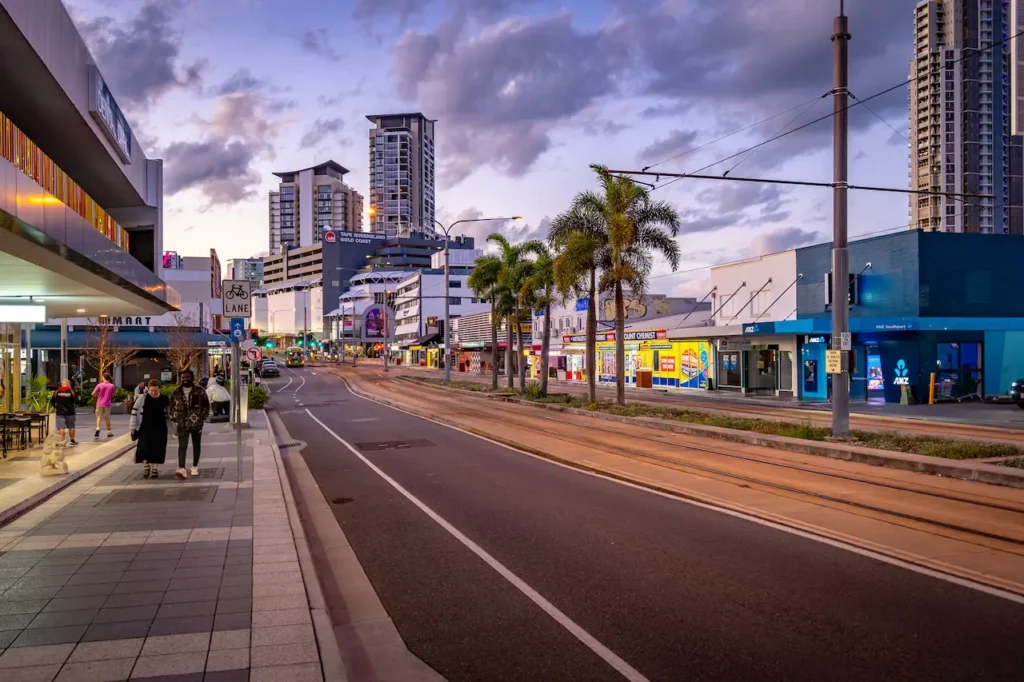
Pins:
x: 901, y: 374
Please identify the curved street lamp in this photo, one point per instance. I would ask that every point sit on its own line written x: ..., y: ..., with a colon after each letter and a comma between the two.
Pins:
x: 447, y: 232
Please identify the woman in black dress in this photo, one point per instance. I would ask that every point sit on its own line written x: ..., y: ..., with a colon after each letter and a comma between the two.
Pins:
x: 149, y: 426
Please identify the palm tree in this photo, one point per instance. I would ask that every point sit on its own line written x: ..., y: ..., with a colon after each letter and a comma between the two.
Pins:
x: 515, y: 270
x: 537, y: 294
x: 635, y: 227
x: 579, y: 236
x: 484, y: 283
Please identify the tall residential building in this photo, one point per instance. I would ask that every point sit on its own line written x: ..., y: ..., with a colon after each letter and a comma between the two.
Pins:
x: 1016, y: 68
x: 244, y: 268
x: 960, y: 108
x: 310, y: 202
x: 401, y: 174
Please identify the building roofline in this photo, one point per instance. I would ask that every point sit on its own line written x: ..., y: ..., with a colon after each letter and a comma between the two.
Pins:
x: 334, y: 165
x: 372, y: 118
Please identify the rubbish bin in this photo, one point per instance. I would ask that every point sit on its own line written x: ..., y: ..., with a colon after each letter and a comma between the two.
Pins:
x: 644, y: 378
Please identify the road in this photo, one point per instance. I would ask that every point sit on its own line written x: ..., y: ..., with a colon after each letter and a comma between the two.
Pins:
x: 495, y: 565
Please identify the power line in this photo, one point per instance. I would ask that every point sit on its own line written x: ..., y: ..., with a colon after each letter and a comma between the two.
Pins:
x: 858, y: 102
x: 735, y: 132
x: 881, y: 119
x: 788, y: 124
x: 805, y: 183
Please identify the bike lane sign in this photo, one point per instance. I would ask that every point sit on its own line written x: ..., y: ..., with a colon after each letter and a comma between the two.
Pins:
x: 237, y: 298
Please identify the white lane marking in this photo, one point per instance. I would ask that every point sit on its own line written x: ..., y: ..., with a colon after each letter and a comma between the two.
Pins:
x: 588, y: 640
x: 314, y: 373
x: 364, y: 419
x: 838, y: 544
x: 300, y: 385
x: 290, y: 380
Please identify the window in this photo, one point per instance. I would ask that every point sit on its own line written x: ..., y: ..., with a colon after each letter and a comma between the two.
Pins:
x: 454, y: 301
x: 729, y: 369
x: 455, y: 284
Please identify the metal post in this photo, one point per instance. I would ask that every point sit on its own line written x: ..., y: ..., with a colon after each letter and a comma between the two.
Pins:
x: 447, y: 351
x: 305, y: 332
x: 15, y: 387
x: 356, y: 341
x: 63, y: 348
x: 385, y: 327
x: 236, y: 384
x: 840, y: 252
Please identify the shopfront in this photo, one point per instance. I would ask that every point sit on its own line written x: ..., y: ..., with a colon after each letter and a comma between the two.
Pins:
x: 677, y: 364
x: 813, y: 380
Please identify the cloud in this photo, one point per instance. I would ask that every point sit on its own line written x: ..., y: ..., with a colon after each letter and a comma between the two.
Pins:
x: 221, y: 162
x: 403, y: 9
x: 317, y: 41
x: 515, y: 231
x: 220, y: 169
x: 501, y: 92
x: 676, y: 142
x: 141, y: 57
x: 320, y: 131
x: 241, y: 81
x: 749, y: 60
x: 781, y: 240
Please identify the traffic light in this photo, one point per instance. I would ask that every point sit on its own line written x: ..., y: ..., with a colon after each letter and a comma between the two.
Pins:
x: 302, y: 342
x: 269, y: 343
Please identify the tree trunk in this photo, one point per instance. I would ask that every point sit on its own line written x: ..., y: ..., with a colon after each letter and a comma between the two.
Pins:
x: 520, y: 353
x: 510, y: 372
x: 545, y: 350
x: 494, y: 348
x: 591, y: 358
x: 620, y: 346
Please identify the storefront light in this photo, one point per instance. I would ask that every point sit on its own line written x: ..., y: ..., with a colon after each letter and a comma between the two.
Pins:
x: 22, y: 313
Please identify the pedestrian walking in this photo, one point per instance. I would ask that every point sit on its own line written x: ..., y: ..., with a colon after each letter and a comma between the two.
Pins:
x: 190, y: 406
x: 63, y: 402
x: 148, y: 425
x: 104, y: 393
x: 141, y: 389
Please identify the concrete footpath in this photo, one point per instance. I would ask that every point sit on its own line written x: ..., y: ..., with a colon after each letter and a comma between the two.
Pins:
x: 118, y: 577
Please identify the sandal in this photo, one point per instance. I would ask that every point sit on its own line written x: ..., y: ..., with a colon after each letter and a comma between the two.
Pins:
x: 153, y: 473
x: 146, y: 470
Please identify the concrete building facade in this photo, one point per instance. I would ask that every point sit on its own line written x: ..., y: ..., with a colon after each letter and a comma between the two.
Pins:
x: 309, y: 203
x: 960, y: 115
x: 401, y: 174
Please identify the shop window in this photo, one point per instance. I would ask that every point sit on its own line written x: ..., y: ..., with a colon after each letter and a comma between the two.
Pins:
x: 786, y: 370
x: 729, y: 369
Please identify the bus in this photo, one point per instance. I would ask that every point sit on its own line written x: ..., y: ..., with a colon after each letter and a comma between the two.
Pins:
x: 294, y: 356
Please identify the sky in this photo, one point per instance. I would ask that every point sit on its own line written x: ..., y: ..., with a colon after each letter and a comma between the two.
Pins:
x: 527, y: 94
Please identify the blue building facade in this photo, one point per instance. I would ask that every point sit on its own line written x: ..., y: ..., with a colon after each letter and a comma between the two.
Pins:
x: 922, y: 302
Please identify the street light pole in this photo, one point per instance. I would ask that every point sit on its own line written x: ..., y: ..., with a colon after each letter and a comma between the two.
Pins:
x: 840, y: 251
x: 447, y: 299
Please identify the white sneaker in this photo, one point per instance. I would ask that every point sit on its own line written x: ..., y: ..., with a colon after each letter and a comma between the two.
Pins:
x: 195, y: 472
x: 181, y: 473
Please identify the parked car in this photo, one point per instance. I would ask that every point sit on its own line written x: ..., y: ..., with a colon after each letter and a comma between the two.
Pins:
x: 269, y: 369
x: 1017, y: 393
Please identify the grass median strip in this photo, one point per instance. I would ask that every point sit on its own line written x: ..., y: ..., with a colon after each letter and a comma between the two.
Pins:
x: 919, y: 445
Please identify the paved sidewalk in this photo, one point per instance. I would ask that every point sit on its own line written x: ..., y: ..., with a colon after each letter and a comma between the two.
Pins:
x: 118, y: 577
x: 20, y: 482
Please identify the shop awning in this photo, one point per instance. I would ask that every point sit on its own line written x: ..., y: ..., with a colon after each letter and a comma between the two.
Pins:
x: 422, y: 341
x: 48, y: 339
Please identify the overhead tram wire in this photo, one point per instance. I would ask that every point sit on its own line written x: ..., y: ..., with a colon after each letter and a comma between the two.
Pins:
x: 858, y: 102
x: 887, y: 124
x: 787, y: 125
x: 735, y: 132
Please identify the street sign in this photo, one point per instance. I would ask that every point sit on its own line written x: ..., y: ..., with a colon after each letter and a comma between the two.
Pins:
x: 834, y: 361
x: 237, y: 329
x: 254, y: 354
x: 237, y: 298
x: 845, y: 341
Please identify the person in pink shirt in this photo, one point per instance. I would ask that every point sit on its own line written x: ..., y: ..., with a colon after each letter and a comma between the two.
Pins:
x: 104, y: 393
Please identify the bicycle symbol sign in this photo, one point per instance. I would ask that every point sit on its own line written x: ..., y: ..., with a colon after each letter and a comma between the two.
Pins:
x: 237, y: 298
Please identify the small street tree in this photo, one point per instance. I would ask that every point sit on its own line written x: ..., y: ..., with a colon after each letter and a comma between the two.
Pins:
x: 537, y: 294
x: 103, y: 350
x: 183, y: 348
x: 484, y: 283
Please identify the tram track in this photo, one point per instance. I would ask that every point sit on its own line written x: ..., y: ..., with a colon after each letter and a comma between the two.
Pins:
x: 1011, y: 513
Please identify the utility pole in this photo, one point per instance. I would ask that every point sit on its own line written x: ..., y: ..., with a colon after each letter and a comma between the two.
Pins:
x: 840, y: 252
x: 447, y: 300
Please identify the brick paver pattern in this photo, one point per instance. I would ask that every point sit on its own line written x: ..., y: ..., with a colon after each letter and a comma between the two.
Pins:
x: 119, y: 577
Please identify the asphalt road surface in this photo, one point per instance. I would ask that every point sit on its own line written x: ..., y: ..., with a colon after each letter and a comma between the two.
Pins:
x: 616, y: 582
